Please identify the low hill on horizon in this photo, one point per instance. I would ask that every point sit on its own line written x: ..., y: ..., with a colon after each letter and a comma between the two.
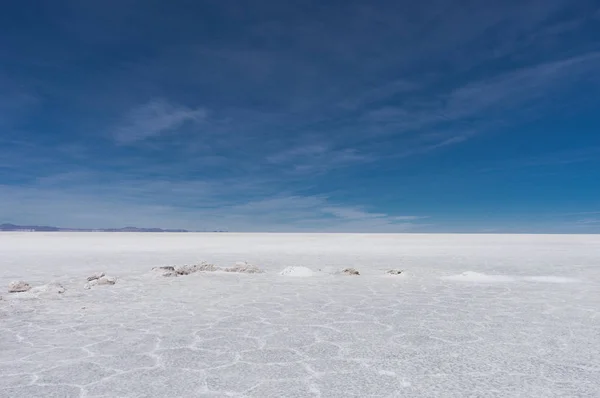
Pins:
x: 43, y: 228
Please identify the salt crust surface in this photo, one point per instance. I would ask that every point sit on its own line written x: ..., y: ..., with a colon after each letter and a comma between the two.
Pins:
x: 470, y: 315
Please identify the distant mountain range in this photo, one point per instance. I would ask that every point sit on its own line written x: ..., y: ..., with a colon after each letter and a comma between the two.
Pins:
x: 41, y: 228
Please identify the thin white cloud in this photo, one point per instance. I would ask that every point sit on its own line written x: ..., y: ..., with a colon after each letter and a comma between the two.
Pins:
x: 349, y: 213
x: 408, y: 218
x: 316, y: 158
x: 355, y: 214
x: 154, y: 119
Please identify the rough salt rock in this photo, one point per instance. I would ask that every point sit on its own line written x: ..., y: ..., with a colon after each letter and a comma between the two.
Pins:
x: 167, y: 271
x: 184, y: 270
x: 244, y: 268
x: 107, y: 280
x: 18, y: 287
x: 190, y: 269
x: 90, y: 284
x: 95, y: 276
x: 208, y: 267
x: 297, y: 271
x: 350, y: 271
x: 394, y: 272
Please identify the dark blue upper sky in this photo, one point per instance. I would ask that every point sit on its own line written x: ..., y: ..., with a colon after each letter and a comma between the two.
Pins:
x: 374, y: 116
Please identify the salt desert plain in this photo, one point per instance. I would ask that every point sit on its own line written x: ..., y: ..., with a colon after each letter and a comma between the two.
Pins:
x: 469, y: 316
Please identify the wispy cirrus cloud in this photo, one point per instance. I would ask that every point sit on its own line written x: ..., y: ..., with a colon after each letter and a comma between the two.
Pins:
x: 153, y: 119
x: 485, y: 98
x: 319, y: 213
x: 555, y: 158
x: 395, y: 86
x: 67, y: 200
x: 315, y: 158
x: 356, y: 213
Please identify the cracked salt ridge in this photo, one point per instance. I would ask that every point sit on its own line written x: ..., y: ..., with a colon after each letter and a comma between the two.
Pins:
x: 213, y: 334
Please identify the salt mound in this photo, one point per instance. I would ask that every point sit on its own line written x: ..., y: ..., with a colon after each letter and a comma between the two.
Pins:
x: 470, y: 276
x: 245, y: 268
x: 297, y: 271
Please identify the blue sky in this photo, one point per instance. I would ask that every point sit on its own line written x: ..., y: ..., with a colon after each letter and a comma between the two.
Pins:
x: 335, y: 116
